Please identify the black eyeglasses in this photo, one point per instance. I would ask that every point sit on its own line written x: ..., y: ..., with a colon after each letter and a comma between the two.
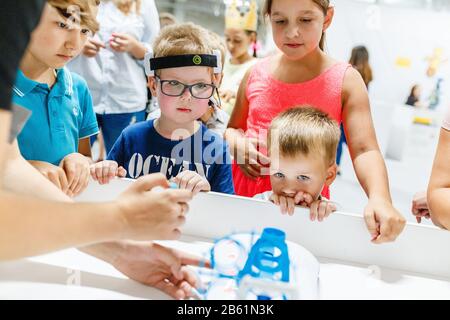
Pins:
x: 174, y: 88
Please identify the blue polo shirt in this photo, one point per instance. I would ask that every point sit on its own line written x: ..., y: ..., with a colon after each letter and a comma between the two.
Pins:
x: 61, y: 116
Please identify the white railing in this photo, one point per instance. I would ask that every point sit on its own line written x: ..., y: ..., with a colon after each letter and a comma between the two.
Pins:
x: 343, y: 236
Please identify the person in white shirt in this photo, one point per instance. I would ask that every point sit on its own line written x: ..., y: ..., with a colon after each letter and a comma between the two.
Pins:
x: 112, y: 64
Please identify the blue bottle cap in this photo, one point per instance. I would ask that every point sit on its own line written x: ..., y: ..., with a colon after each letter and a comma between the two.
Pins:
x: 173, y: 185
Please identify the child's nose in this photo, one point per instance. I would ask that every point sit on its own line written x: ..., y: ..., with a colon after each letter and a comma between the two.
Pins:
x: 73, y: 41
x: 292, y: 32
x: 289, y: 192
x: 290, y: 188
x: 186, y: 94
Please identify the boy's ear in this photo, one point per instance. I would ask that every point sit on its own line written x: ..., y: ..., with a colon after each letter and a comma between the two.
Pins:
x: 151, y: 84
x: 217, y: 79
x: 328, y: 18
x: 331, y: 174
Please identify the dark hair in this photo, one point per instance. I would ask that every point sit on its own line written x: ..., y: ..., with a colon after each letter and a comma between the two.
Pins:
x: 323, y: 4
x: 250, y: 33
x: 414, y: 87
x: 360, y: 61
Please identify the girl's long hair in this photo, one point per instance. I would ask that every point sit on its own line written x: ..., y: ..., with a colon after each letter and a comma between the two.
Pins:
x: 360, y: 61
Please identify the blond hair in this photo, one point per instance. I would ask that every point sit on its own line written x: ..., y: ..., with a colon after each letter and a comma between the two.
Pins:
x: 170, y: 18
x: 217, y: 43
x: 179, y: 39
x: 186, y: 38
x: 304, y: 130
x: 323, y: 4
x: 82, y: 10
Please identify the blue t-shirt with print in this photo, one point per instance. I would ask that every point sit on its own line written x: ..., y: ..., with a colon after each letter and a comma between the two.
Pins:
x: 61, y: 116
x: 141, y: 150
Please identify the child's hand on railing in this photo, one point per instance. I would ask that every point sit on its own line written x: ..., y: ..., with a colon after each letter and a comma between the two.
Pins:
x: 192, y: 181
x: 287, y: 204
x: 420, y: 206
x: 105, y: 171
x: 319, y: 209
x: 76, y: 167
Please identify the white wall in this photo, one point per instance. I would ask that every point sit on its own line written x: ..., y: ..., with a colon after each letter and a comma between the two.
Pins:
x: 389, y: 33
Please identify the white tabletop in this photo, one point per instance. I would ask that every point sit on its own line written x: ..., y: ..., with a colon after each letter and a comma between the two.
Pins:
x: 71, y: 274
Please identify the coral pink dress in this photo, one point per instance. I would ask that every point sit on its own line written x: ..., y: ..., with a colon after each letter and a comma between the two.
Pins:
x: 268, y: 97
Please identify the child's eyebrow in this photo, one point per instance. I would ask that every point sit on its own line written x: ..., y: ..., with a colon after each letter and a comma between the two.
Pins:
x: 301, y: 173
x: 184, y: 81
x: 201, y: 80
x: 276, y: 13
x: 306, y: 12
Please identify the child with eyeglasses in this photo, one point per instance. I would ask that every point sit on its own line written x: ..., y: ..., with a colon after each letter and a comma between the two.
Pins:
x: 183, y: 72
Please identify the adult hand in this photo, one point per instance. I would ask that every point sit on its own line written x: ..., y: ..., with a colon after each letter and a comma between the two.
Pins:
x: 160, y: 267
x: 122, y: 42
x: 55, y: 174
x: 150, y: 213
x: 92, y: 47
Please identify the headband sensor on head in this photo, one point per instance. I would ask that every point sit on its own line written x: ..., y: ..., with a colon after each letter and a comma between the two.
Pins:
x: 185, y: 60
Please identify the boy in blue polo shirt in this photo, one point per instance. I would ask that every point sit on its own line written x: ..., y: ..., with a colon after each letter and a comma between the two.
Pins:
x: 56, y: 138
x: 183, y: 75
